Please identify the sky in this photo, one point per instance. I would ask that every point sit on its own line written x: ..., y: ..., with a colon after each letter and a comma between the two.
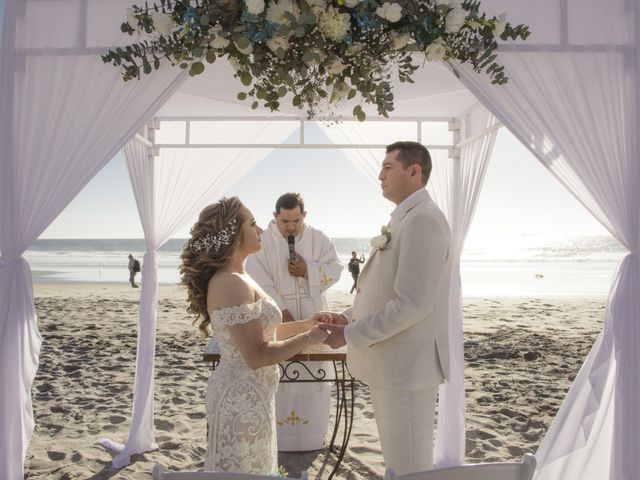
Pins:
x: 519, y: 198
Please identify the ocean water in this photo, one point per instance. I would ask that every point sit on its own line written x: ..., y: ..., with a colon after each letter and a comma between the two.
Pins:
x: 526, y: 266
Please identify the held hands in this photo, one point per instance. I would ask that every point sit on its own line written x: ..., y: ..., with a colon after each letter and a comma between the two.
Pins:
x: 336, y: 335
x: 316, y: 334
x: 297, y: 267
x: 335, y: 329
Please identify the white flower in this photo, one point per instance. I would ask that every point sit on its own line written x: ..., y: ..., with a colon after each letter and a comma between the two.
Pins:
x: 351, y: 3
x: 220, y: 42
x: 501, y: 24
x: 398, y: 42
x: 340, y: 91
x: 255, y: 7
x: 455, y: 20
x: 380, y: 242
x: 334, y: 24
x: 162, y: 22
x: 245, y: 51
x: 276, y: 12
x: 278, y: 42
x: 132, y: 19
x: 390, y: 11
x: 235, y: 64
x: 336, y: 67
x: 435, y: 51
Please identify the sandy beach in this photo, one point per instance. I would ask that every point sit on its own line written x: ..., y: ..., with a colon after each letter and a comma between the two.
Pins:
x: 521, y: 355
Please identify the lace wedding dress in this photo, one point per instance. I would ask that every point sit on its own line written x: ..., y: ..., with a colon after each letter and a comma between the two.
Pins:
x: 241, y: 401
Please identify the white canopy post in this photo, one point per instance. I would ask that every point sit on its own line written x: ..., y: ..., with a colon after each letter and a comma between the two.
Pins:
x: 466, y: 176
x: 572, y: 99
x: 169, y: 189
x: 63, y: 115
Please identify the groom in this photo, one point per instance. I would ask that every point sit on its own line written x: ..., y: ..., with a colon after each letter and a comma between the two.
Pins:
x: 396, y: 332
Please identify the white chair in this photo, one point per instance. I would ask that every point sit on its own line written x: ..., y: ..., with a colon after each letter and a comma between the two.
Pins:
x: 160, y: 474
x: 480, y: 471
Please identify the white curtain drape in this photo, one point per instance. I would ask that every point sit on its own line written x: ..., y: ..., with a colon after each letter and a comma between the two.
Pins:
x: 463, y: 181
x: 455, y: 186
x: 576, y: 105
x: 170, y: 190
x: 63, y: 115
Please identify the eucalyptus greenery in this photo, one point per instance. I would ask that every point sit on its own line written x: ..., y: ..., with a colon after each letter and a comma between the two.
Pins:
x: 310, y: 50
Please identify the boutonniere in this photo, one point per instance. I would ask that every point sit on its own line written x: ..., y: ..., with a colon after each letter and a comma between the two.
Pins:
x: 381, y: 241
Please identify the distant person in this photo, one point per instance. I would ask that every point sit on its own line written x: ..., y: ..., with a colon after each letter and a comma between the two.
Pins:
x: 354, y: 268
x: 296, y: 266
x: 134, y: 268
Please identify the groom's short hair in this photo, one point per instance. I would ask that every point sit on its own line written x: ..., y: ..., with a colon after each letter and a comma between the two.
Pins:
x: 411, y: 153
x: 289, y: 201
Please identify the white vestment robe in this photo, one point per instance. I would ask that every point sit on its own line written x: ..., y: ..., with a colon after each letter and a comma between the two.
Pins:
x: 302, y: 410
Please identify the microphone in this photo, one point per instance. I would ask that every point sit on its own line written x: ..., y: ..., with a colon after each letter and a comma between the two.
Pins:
x: 291, y: 240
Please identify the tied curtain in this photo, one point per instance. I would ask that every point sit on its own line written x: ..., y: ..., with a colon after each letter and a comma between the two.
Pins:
x: 170, y: 190
x: 573, y: 101
x: 455, y: 185
x: 63, y: 115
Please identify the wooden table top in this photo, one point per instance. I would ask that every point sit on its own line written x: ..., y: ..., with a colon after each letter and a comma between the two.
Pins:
x: 318, y: 353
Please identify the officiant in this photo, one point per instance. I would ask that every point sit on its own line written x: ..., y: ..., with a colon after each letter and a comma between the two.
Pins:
x: 296, y: 266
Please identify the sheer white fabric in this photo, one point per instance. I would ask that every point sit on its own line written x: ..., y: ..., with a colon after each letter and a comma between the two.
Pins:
x: 63, y: 115
x: 575, y: 105
x: 169, y: 189
x: 463, y: 183
x: 240, y: 400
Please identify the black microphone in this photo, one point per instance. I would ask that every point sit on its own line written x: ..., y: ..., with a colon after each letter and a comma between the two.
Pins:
x: 291, y: 240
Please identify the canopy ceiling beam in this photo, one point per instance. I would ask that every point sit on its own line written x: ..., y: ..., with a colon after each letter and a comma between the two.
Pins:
x: 290, y: 146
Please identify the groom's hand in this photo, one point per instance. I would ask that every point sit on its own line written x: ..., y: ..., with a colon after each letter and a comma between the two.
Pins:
x: 336, y: 335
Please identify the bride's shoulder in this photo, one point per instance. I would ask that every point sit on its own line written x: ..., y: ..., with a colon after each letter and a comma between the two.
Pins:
x: 229, y: 289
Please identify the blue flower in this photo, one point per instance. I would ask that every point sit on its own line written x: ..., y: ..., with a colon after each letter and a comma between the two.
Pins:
x: 249, y: 17
x: 259, y: 35
x: 190, y: 16
x: 365, y: 22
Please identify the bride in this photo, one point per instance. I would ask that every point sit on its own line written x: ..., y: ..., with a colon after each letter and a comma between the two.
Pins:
x: 240, y: 398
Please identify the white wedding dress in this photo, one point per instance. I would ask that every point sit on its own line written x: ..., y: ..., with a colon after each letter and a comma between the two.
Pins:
x: 241, y: 401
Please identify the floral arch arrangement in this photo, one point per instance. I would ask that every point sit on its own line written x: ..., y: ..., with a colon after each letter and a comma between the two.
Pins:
x: 313, y: 50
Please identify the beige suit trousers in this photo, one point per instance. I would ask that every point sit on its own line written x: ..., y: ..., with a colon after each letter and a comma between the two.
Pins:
x: 405, y: 427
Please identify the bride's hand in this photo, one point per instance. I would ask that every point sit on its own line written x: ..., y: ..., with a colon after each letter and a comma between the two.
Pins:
x: 320, y: 317
x: 316, y: 334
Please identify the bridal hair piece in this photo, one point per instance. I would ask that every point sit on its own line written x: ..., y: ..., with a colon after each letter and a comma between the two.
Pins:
x: 217, y: 241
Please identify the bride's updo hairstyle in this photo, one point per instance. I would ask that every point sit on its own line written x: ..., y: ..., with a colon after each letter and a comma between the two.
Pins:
x: 214, y: 240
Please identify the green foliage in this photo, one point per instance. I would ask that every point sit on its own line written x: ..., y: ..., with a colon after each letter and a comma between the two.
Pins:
x: 313, y: 49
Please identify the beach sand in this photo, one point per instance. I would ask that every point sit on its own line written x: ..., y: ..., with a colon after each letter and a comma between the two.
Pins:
x: 521, y: 356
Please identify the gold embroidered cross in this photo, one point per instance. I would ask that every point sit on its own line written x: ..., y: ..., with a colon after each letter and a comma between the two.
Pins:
x: 293, y: 419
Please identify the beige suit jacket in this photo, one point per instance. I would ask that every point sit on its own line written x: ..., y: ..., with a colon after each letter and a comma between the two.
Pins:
x: 398, y: 331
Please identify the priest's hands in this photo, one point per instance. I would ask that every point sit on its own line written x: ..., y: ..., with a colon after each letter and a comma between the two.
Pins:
x: 297, y: 267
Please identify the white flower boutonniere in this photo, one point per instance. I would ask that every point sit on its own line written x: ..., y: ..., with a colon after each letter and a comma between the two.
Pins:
x: 380, y: 242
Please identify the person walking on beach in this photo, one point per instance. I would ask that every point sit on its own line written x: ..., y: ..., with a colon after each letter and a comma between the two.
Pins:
x: 397, y: 330
x: 240, y: 396
x: 134, y: 268
x: 296, y: 266
x: 354, y: 268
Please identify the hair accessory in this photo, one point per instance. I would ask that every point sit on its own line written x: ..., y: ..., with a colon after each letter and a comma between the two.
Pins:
x: 216, y: 240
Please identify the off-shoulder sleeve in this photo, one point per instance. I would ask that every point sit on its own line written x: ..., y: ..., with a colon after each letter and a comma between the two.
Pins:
x: 237, y: 314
